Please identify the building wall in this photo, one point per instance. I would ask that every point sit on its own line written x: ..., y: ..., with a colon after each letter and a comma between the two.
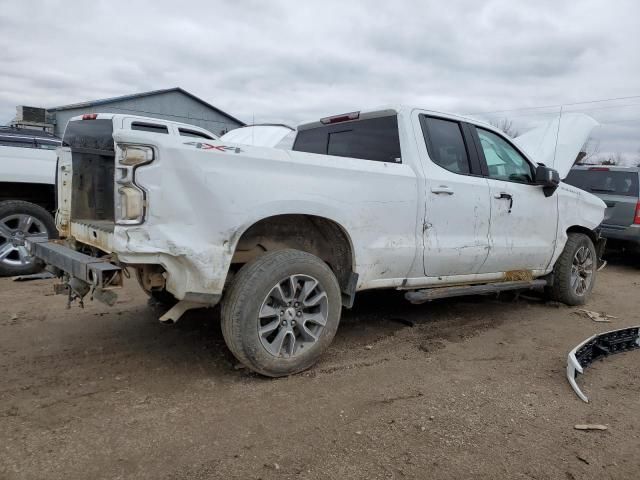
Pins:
x: 173, y: 106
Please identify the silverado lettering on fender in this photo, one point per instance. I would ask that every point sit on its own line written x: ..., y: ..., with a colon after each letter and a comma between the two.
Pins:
x: 434, y: 204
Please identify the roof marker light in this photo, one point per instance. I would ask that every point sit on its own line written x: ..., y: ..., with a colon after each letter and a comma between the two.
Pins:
x: 89, y: 116
x: 345, y: 117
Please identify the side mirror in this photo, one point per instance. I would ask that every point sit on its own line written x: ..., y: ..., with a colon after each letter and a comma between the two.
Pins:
x: 548, y: 178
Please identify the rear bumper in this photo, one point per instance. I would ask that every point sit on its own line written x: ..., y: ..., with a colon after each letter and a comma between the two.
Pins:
x: 94, y: 271
x: 627, y: 234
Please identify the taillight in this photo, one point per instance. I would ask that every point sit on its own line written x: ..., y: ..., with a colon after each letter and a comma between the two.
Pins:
x: 130, y: 199
x: 89, y: 116
x: 135, y: 155
x: 345, y: 117
x: 599, y: 169
x: 636, y: 217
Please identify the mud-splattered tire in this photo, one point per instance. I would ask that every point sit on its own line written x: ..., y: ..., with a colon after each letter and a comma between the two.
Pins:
x: 574, y: 274
x: 20, y: 220
x: 281, y: 312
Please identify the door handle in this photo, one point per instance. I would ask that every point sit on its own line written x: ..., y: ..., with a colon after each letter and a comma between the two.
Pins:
x: 442, y: 189
x: 505, y: 196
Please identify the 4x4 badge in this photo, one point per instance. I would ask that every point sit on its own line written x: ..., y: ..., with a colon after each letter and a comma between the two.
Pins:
x: 220, y: 148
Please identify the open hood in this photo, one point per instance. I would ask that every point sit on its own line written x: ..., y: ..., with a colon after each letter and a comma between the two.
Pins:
x: 558, y: 142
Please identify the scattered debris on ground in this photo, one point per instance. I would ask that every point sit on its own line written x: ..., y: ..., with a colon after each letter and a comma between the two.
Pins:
x: 110, y: 393
x: 595, y: 316
x: 33, y: 276
x: 590, y: 426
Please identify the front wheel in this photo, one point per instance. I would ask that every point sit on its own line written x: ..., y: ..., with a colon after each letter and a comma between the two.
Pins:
x: 574, y: 274
x: 281, y: 312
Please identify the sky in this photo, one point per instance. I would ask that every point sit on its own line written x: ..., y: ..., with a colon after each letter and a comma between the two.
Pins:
x: 292, y: 61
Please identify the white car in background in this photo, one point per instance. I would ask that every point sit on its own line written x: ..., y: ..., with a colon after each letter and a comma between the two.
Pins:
x: 27, y: 195
x: 276, y: 135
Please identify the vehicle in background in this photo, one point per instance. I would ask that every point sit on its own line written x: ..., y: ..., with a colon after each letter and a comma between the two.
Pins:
x: 276, y: 135
x: 618, y: 188
x: 27, y: 195
x: 400, y: 197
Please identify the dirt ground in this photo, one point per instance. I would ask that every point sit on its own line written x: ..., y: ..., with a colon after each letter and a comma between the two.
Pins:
x: 475, y: 389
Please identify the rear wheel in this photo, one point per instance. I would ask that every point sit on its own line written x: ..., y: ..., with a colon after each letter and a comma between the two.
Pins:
x: 574, y: 274
x: 20, y: 221
x: 281, y: 312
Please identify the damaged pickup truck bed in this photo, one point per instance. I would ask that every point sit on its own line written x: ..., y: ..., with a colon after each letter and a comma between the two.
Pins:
x: 398, y: 197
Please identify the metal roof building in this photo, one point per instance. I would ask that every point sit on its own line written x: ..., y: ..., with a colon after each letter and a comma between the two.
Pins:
x: 173, y: 104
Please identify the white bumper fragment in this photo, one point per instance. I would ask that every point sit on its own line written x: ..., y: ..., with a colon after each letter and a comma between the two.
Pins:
x: 599, y: 346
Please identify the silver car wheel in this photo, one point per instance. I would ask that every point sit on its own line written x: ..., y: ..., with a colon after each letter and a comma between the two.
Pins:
x: 292, y: 316
x: 14, y: 230
x: 582, y: 271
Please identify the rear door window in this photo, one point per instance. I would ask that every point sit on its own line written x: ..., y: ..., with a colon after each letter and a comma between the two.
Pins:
x: 445, y: 144
x: 600, y: 181
x: 149, y: 127
x: 374, y: 139
x: 193, y: 133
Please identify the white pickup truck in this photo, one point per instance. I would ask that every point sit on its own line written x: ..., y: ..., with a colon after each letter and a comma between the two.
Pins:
x: 27, y: 198
x: 399, y: 197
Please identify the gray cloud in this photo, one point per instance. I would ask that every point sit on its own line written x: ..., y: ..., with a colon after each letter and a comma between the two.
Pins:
x: 289, y: 61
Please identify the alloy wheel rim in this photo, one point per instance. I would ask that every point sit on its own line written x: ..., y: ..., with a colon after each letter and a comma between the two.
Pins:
x: 14, y: 231
x: 582, y: 271
x: 292, y: 316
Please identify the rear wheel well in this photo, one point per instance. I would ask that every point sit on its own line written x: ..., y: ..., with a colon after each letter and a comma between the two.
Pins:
x: 319, y: 236
x: 42, y: 194
x: 580, y: 229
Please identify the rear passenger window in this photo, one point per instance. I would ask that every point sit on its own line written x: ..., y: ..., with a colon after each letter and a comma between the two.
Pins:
x: 193, y: 133
x: 371, y: 139
x: 149, y: 127
x: 445, y: 144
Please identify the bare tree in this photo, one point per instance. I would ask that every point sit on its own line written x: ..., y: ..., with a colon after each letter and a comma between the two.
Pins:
x: 589, y: 150
x: 506, y: 125
x: 615, y: 158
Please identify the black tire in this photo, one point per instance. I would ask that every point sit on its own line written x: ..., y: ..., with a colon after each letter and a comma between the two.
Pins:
x: 251, y: 289
x: 43, y: 225
x: 563, y: 290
